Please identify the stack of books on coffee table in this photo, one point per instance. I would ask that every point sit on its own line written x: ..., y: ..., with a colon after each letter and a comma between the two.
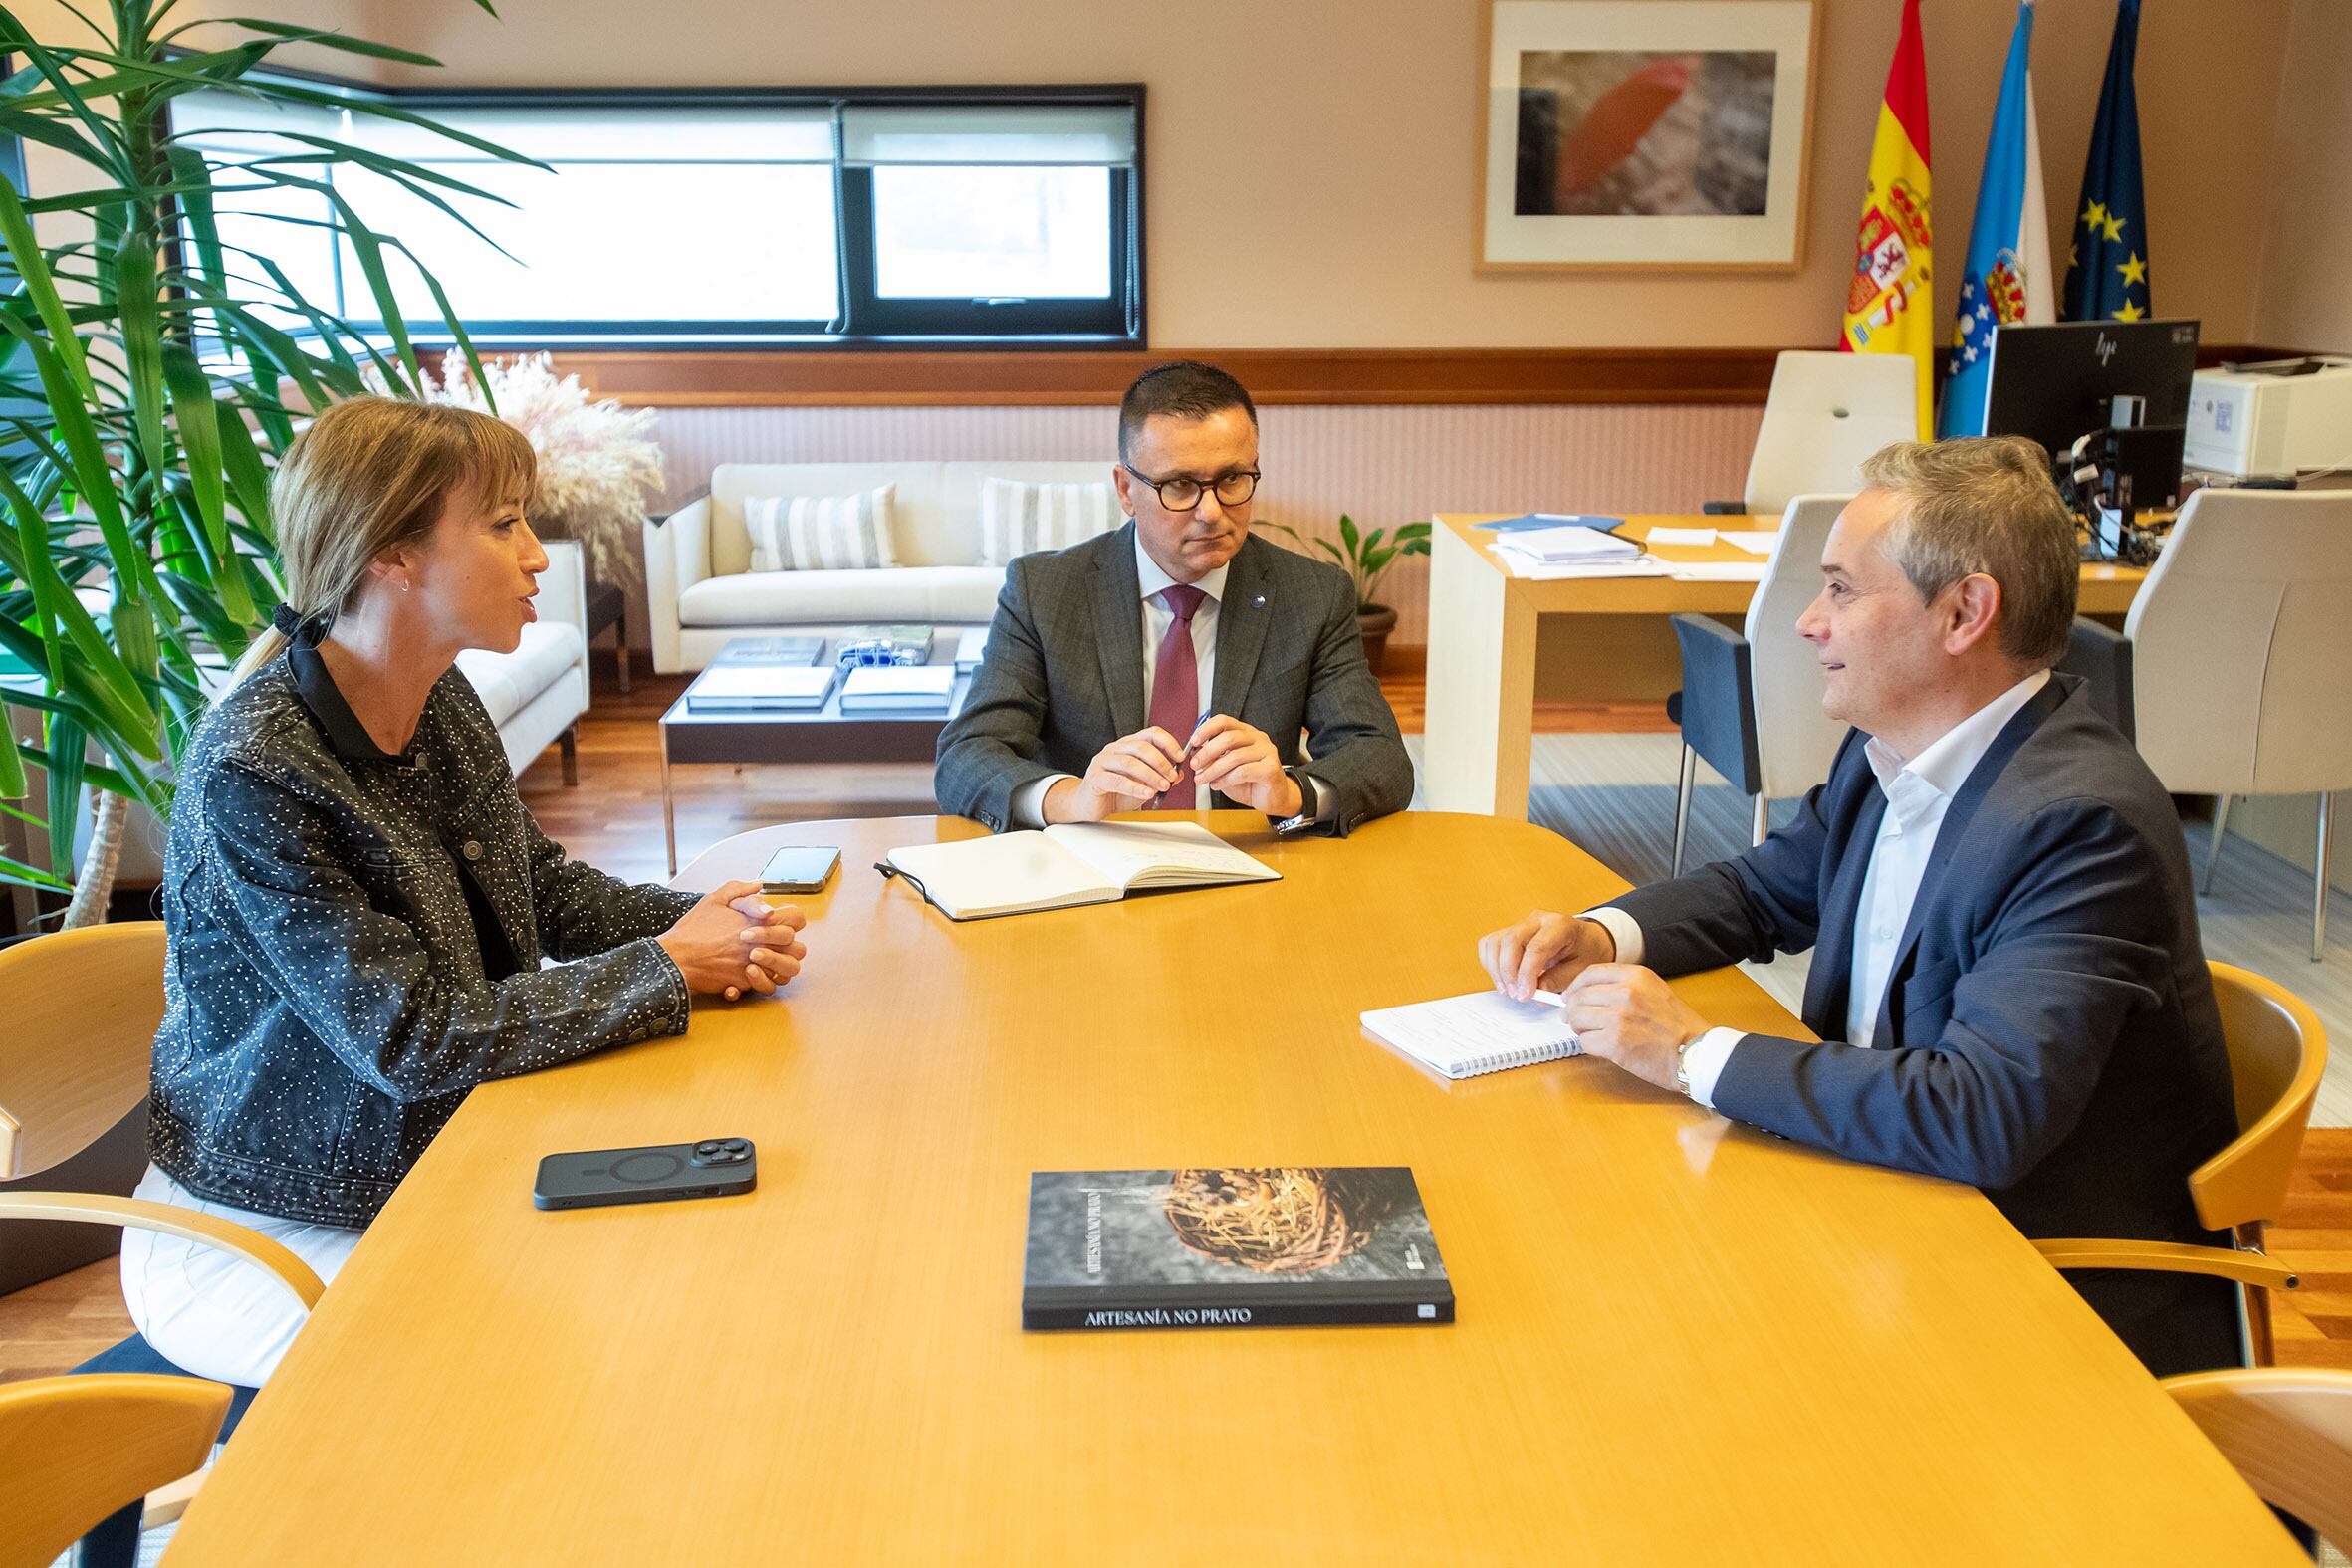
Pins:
x: 764, y: 675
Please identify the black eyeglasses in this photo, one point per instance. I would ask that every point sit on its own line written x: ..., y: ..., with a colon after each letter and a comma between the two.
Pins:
x: 1183, y: 492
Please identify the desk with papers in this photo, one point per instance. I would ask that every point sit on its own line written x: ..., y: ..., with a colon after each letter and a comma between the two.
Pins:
x: 1498, y: 641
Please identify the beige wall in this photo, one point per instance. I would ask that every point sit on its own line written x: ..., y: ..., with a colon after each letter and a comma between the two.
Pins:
x: 2306, y: 296
x: 1339, y: 139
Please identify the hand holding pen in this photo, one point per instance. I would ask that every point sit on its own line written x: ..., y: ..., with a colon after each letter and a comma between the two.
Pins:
x: 1242, y: 762
x: 1183, y: 756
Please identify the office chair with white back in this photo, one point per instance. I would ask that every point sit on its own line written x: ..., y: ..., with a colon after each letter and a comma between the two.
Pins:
x: 1825, y: 413
x: 2233, y: 661
x: 1750, y: 699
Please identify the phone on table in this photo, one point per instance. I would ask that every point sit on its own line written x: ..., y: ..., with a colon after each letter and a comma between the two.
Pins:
x: 591, y: 1177
x: 800, y: 868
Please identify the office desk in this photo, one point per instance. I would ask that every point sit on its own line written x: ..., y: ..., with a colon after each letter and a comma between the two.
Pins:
x: 1679, y: 1342
x: 1612, y: 638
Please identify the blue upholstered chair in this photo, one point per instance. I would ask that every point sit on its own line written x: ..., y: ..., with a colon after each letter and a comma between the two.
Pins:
x: 1750, y: 699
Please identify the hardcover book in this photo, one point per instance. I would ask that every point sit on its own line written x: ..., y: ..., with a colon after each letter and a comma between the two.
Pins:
x: 762, y: 688
x: 1222, y: 1246
x: 771, y: 650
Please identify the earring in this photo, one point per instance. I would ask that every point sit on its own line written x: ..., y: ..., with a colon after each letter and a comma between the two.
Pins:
x: 404, y: 588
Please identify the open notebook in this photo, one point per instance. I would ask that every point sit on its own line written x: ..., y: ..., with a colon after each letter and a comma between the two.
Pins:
x: 1070, y: 863
x: 1482, y: 1032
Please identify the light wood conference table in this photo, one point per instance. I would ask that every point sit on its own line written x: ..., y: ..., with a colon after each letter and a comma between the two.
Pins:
x: 1600, y: 637
x: 1680, y: 1341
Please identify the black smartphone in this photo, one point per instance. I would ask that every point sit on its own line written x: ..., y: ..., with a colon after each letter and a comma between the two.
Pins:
x: 800, y: 868
x: 585, y: 1178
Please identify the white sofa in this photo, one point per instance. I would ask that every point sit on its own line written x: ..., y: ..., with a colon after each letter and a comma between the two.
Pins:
x: 701, y: 591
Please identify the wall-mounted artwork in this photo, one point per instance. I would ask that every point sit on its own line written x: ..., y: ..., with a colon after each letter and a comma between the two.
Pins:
x: 1645, y: 132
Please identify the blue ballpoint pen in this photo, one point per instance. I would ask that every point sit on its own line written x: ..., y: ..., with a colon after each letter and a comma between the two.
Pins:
x: 1196, y: 723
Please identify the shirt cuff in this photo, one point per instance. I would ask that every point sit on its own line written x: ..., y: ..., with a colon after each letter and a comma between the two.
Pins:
x: 1621, y: 927
x: 1704, y: 1062
x: 1027, y: 804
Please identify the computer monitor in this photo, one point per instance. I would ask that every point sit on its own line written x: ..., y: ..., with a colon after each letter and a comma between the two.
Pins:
x: 2124, y: 383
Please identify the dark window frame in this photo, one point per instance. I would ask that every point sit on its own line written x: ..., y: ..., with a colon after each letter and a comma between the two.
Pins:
x: 866, y: 321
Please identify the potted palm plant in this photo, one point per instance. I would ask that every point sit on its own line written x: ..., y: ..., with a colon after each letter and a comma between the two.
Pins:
x: 153, y: 370
x: 1366, y: 557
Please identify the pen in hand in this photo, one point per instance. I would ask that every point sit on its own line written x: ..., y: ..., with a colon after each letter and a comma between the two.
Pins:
x: 1182, y: 760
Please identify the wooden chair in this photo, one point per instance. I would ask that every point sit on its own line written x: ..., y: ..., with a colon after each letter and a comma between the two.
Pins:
x: 2289, y: 1430
x: 2277, y: 1052
x: 84, y: 1010
x: 73, y: 1450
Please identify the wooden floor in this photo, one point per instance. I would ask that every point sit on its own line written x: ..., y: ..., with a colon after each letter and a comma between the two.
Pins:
x: 613, y: 820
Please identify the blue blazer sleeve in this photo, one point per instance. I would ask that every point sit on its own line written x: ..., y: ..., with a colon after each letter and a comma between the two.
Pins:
x: 2074, y: 922
x: 1752, y: 906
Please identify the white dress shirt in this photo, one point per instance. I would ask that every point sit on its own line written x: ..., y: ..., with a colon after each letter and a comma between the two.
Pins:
x: 1029, y: 801
x: 1918, y: 792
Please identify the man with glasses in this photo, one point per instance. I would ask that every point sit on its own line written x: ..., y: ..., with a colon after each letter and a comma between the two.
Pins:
x: 1172, y: 664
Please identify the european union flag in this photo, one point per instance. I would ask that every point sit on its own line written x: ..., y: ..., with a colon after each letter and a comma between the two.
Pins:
x: 2107, y: 269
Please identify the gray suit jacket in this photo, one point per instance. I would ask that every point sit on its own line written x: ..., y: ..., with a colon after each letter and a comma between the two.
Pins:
x: 2048, y: 1031
x: 1064, y: 678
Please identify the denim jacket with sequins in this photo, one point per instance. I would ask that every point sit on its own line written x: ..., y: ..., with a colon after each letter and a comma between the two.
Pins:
x: 331, y: 995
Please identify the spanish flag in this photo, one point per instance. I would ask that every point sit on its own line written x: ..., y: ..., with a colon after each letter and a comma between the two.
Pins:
x: 1891, y: 300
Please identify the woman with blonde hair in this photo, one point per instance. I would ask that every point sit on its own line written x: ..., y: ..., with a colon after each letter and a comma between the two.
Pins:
x: 358, y: 901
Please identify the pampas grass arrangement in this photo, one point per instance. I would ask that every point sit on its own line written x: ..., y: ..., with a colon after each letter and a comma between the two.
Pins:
x: 598, y: 463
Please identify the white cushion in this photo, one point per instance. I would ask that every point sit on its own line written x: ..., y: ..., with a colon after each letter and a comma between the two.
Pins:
x: 506, y: 681
x: 934, y: 507
x: 940, y: 596
x: 1017, y: 518
x: 915, y: 498
x: 820, y: 533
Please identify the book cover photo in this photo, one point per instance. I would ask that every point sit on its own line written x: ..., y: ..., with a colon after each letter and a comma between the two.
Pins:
x: 1231, y: 1247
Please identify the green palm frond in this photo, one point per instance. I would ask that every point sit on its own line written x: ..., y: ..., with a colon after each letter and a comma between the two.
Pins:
x: 153, y: 374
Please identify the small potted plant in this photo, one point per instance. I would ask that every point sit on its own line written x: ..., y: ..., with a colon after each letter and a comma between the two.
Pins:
x: 1366, y: 557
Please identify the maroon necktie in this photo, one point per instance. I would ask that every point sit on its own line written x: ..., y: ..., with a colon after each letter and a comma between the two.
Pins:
x: 1176, y: 683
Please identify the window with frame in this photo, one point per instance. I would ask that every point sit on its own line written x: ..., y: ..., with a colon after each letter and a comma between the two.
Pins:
x: 983, y: 217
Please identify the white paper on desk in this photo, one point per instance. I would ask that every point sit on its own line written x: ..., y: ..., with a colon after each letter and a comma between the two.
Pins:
x: 1755, y: 541
x: 1566, y: 544
x: 1680, y: 536
x: 1554, y: 572
x: 1478, y: 1032
x: 1717, y: 570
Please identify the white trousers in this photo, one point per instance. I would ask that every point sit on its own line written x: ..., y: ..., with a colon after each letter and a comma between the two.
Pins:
x: 211, y: 1312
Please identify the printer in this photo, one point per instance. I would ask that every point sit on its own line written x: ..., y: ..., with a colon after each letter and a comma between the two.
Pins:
x: 2272, y: 419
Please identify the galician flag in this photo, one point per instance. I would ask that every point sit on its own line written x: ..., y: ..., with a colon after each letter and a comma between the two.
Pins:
x: 2107, y: 266
x: 2006, y: 276
x: 1891, y: 299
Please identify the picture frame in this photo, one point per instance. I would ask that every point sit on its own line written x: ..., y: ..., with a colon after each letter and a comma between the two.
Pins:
x: 1644, y: 134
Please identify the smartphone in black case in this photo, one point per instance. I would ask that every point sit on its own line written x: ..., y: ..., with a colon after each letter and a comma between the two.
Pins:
x: 588, y: 1177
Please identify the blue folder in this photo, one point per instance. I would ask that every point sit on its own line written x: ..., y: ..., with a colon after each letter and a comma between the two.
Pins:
x: 1534, y: 520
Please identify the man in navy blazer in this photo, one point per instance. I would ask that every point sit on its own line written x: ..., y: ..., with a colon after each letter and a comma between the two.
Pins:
x: 2006, y: 972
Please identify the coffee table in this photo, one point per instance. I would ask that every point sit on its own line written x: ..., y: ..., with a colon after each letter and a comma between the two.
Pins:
x: 821, y: 734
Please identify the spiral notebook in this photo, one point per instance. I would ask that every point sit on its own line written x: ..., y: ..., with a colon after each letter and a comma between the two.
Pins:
x: 1482, y: 1031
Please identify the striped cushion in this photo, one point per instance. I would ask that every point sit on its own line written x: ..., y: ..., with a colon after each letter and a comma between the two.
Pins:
x: 820, y: 533
x: 1016, y: 517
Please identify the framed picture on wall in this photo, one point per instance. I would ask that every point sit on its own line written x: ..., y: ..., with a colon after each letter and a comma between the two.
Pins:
x: 1644, y: 133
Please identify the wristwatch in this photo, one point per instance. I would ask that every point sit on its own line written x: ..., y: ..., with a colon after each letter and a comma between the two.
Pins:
x: 1305, y: 822
x: 1682, y: 1065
